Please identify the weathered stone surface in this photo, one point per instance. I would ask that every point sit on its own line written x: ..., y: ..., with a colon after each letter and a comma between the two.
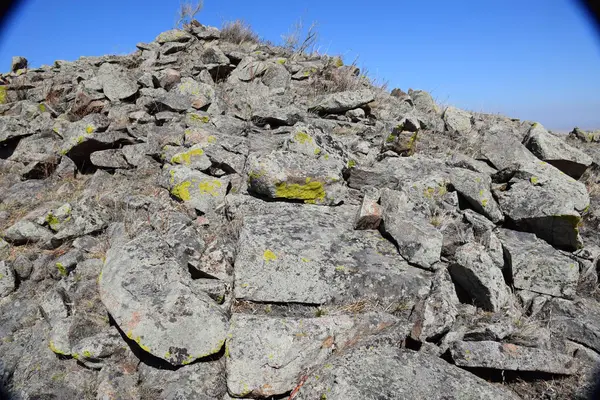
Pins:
x: 112, y: 158
x: 277, y: 76
x: 7, y: 279
x: 189, y: 93
x: 24, y: 232
x: 385, y: 371
x: 578, y: 320
x: 556, y: 151
x: 475, y: 272
x: 418, y: 241
x: 214, y: 55
x: 267, y: 356
x: 510, y: 357
x: 457, y: 120
x: 369, y: 214
x: 539, y: 198
x: 174, y: 35
x: 536, y: 266
x: 475, y: 188
x: 339, y: 103
x: 143, y: 288
x: 18, y: 63
x: 324, y: 261
x: 201, y: 191
x: 117, y: 84
x: 285, y: 175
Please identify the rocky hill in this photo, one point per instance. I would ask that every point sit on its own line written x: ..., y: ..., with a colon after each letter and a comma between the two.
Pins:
x: 213, y: 218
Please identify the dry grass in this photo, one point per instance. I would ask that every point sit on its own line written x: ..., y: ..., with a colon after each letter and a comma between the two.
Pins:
x: 238, y: 32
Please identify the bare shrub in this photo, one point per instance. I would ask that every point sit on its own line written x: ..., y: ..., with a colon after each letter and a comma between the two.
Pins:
x: 292, y: 42
x: 238, y: 32
x: 187, y: 12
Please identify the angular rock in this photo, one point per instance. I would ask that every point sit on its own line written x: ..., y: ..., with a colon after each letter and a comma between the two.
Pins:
x: 537, y: 266
x: 267, y: 356
x: 201, y: 191
x: 578, y: 321
x: 339, y: 103
x: 556, y: 151
x: 214, y: 55
x: 24, y: 232
x: 277, y: 76
x: 194, y: 157
x: 325, y: 260
x: 143, y: 288
x: 117, y: 84
x: 18, y: 63
x: 369, y: 214
x: 475, y: 188
x: 112, y: 158
x: 539, y: 198
x: 172, y: 48
x: 510, y: 357
x: 276, y: 115
x: 476, y: 273
x: 174, y: 35
x: 418, y: 241
x: 457, y: 120
x: 389, y: 372
x: 188, y: 93
x: 288, y: 176
x: 7, y: 279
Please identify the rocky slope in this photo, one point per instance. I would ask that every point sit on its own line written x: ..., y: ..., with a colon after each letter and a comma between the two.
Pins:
x: 210, y: 219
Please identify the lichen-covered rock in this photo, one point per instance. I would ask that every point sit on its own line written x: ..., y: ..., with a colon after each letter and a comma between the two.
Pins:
x: 578, y: 320
x: 117, y: 84
x: 556, y: 151
x: 418, y: 242
x: 111, y: 158
x: 475, y: 188
x: 201, y: 191
x: 289, y: 176
x: 24, y: 232
x: 324, y: 261
x: 476, y: 273
x: 510, y: 357
x: 385, y: 371
x: 174, y: 35
x: 143, y: 289
x: 457, y: 120
x: 7, y: 279
x: 538, y: 267
x: 339, y: 103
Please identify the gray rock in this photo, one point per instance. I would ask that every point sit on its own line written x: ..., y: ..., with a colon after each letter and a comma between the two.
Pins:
x: 18, y: 63
x: 7, y: 279
x: 188, y: 93
x: 389, y: 372
x: 418, y: 241
x: 285, y: 175
x: 143, y: 288
x: 578, y: 320
x: 24, y: 232
x: 172, y: 48
x: 201, y: 191
x: 556, y: 151
x: 111, y: 158
x: 268, y: 356
x: 538, y: 267
x: 476, y: 273
x: 510, y: 357
x: 174, y: 35
x: 117, y: 84
x: 435, y: 316
x: 277, y: 116
x: 277, y: 76
x: 475, y: 188
x: 214, y: 55
x: 195, y: 157
x: 369, y: 214
x: 457, y: 120
x: 204, y: 32
x: 324, y: 261
x: 540, y: 199
x: 339, y: 103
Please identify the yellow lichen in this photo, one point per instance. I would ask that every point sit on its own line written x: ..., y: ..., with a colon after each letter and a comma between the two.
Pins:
x: 3, y: 99
x: 310, y: 192
x: 268, y: 255
x: 89, y: 129
x: 42, y: 108
x: 61, y: 268
x: 317, y: 151
x: 210, y: 187
x: 534, y: 180
x: 181, y: 191
x: 186, y: 158
x: 281, y: 61
x: 302, y: 138
x: 54, y: 349
x: 52, y: 221
x: 87, y: 354
x: 211, y: 139
x: 351, y: 163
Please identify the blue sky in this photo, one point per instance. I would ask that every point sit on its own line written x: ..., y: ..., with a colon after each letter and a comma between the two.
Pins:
x: 530, y: 59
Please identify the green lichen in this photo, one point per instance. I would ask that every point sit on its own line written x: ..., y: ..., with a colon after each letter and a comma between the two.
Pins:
x: 199, y: 118
x: 167, y: 355
x: 80, y: 139
x: 351, y: 164
x: 534, y: 180
x: 304, y: 259
x: 52, y: 221
x: 281, y: 61
x: 268, y: 255
x: 210, y: 187
x: 186, y: 158
x: 339, y: 62
x: 1, y: 276
x: 89, y: 129
x: 317, y: 151
x: 87, y: 354
x: 256, y: 175
x: 310, y: 192
x: 55, y: 350
x: 302, y: 138
x: 61, y: 269
x: 181, y: 191
x: 42, y: 108
x: 340, y: 268
x: 391, y: 137
x: 484, y: 202
x: 326, y: 156
x: 3, y: 99
x: 211, y: 139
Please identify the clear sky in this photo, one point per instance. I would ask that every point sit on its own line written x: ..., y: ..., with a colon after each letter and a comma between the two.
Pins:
x: 530, y: 59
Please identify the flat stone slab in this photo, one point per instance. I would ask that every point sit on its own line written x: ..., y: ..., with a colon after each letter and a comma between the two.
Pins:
x: 311, y: 254
x: 388, y: 372
x: 510, y: 357
x: 537, y: 266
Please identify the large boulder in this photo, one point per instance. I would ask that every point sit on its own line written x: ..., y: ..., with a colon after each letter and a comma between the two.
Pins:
x: 556, y: 151
x: 143, y: 287
x: 339, y: 103
x: 117, y: 83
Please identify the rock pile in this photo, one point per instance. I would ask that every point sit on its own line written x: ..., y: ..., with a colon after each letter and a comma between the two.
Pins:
x: 204, y: 219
